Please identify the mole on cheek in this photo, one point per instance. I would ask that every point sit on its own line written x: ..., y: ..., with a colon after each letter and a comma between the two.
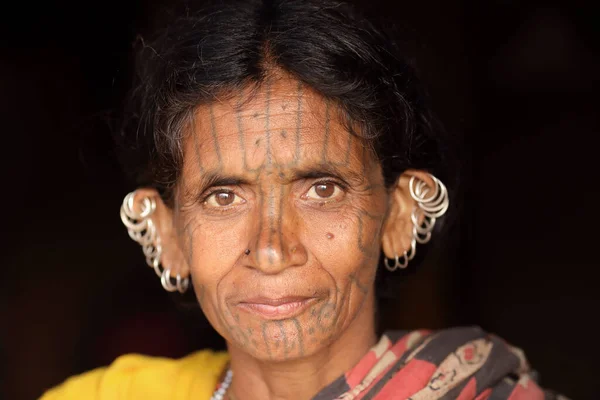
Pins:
x: 329, y: 235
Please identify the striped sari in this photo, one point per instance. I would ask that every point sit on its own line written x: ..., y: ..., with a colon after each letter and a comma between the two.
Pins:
x: 458, y: 363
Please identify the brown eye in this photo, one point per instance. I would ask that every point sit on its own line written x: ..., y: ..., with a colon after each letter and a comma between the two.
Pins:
x: 223, y: 198
x: 325, y: 190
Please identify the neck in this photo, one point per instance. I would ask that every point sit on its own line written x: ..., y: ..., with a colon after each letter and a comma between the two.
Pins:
x: 303, y: 378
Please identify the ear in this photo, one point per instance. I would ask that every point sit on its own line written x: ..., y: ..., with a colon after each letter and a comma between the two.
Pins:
x: 162, y: 217
x: 398, y: 229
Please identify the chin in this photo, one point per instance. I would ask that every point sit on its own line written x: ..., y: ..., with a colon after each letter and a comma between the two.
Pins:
x: 281, y: 340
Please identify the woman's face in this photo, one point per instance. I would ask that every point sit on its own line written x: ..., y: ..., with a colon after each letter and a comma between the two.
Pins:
x: 279, y: 212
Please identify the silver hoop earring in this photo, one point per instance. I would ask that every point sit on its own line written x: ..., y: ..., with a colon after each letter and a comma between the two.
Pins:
x: 437, y: 203
x: 182, y: 283
x: 389, y: 267
x: 413, y: 250
x: 432, y: 203
x: 141, y: 229
x: 397, y: 263
x: 165, y: 281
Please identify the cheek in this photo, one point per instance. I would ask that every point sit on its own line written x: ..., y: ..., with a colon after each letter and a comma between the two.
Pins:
x: 348, y: 239
x: 346, y: 245
x: 215, y: 244
x: 212, y: 250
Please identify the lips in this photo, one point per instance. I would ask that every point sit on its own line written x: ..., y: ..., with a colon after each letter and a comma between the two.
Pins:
x: 276, y: 308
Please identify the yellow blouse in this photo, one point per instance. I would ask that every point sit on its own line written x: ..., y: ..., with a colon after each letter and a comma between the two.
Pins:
x: 137, y: 377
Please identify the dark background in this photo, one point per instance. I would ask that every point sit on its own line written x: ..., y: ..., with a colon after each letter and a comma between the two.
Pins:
x: 515, y: 82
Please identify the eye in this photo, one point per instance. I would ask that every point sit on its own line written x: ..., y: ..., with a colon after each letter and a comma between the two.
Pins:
x: 222, y: 198
x: 324, y: 191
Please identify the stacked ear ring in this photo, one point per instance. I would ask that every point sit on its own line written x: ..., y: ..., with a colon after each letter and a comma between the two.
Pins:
x: 431, y: 203
x: 142, y: 229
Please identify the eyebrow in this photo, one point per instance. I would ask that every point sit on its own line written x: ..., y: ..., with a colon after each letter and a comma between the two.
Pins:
x: 324, y: 170
x: 216, y: 178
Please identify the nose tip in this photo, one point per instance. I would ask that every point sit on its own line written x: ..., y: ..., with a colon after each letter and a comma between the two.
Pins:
x: 275, y: 251
x: 273, y: 256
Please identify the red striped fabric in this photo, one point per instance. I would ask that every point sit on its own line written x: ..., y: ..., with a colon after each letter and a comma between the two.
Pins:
x: 458, y: 363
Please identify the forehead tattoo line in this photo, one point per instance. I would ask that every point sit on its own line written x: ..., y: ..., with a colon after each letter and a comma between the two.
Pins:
x: 267, y: 122
x: 213, y: 132
x: 298, y: 123
x: 326, y: 136
x: 196, y: 146
x: 325, y: 153
x: 241, y: 138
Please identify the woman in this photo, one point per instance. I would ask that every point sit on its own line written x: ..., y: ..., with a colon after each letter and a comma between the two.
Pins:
x: 290, y: 159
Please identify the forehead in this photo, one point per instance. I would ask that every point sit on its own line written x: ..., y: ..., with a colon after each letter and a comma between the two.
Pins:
x: 282, y: 124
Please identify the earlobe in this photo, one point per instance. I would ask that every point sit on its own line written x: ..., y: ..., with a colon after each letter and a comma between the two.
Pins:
x: 150, y: 223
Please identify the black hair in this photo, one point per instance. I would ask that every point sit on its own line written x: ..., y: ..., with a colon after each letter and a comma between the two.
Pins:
x: 327, y: 45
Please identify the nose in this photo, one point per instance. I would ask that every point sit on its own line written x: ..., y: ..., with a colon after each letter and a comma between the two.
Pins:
x: 275, y: 245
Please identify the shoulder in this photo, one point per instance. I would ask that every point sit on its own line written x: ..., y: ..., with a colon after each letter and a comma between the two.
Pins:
x: 135, y: 376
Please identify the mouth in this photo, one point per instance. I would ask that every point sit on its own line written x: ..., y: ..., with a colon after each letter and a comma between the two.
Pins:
x: 276, y: 308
